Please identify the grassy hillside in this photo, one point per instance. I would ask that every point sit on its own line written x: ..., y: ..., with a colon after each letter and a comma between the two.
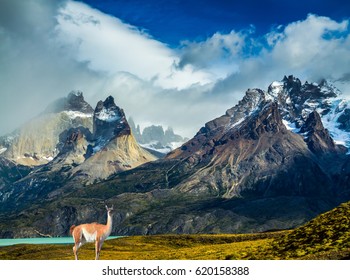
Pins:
x: 325, y: 237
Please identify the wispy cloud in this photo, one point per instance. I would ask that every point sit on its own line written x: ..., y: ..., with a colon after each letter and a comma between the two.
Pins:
x: 108, y: 45
x: 218, y: 54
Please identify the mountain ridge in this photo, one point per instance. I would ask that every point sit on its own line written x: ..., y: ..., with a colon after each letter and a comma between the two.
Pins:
x: 273, y: 161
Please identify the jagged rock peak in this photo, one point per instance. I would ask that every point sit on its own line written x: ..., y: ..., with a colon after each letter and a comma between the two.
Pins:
x: 109, y: 120
x: 312, y: 124
x: 267, y: 120
x: 292, y: 88
x: 75, y: 94
x: 108, y: 111
x: 291, y: 81
x: 73, y: 102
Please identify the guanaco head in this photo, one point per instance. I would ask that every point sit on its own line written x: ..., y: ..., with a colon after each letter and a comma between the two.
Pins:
x: 109, y: 210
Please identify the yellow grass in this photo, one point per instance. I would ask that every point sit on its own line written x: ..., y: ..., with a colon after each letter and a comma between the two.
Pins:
x: 162, y: 247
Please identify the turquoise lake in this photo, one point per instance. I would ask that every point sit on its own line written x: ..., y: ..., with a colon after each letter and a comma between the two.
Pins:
x: 42, y: 240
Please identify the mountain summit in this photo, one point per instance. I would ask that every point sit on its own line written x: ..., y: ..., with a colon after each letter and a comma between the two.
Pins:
x: 109, y: 120
x: 74, y: 102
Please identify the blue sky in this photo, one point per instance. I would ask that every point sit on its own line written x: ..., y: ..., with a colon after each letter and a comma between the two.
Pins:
x: 176, y: 63
x: 173, y: 21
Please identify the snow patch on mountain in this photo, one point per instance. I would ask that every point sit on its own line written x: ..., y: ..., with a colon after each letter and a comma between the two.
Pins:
x: 275, y: 88
x: 156, y: 146
x: 77, y: 114
x: 330, y: 121
x: 296, y: 101
x: 290, y: 126
x: 107, y: 115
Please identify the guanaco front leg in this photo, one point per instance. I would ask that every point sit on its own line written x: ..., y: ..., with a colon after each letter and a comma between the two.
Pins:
x: 98, y: 246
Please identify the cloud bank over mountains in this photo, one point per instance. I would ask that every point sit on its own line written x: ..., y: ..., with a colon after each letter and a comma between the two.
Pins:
x: 51, y: 47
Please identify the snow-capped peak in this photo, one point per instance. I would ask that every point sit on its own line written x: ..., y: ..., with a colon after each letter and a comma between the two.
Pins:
x: 295, y: 102
x: 327, y: 87
x: 274, y: 90
x: 298, y: 100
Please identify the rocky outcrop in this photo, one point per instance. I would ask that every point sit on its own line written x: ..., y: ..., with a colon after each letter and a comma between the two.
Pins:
x: 115, y: 148
x: 109, y: 120
x: 120, y: 154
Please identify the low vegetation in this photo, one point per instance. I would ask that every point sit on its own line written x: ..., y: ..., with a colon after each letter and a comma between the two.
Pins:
x: 325, y: 237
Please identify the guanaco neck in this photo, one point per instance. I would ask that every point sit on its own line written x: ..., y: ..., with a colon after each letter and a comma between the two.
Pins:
x: 109, y: 223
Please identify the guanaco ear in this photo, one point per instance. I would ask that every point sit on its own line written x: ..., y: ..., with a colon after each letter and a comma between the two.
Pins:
x: 109, y: 209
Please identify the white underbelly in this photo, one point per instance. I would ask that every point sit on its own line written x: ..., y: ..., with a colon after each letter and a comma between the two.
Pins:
x: 89, y: 237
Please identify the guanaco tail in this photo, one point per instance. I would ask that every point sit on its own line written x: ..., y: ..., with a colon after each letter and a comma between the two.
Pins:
x: 93, y: 232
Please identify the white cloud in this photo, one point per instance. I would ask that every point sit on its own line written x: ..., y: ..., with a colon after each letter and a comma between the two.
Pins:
x: 217, y: 47
x: 311, y: 49
x: 303, y: 45
x: 109, y: 45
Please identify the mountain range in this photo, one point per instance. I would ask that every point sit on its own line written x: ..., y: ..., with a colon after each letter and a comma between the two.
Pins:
x: 273, y: 161
x: 154, y: 139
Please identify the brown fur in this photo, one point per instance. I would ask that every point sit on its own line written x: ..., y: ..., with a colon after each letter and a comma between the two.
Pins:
x: 71, y: 229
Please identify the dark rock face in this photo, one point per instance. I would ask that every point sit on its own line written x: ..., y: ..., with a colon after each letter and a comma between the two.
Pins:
x: 156, y: 133
x: 68, y: 139
x: 152, y: 133
x: 317, y: 137
x: 258, y: 157
x: 11, y: 172
x: 109, y: 120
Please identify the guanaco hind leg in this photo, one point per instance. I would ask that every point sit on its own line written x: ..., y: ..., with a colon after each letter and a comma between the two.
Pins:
x: 78, y: 241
